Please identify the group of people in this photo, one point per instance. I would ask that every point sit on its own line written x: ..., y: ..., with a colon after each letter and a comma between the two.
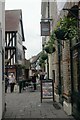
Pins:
x: 40, y: 76
x: 10, y: 81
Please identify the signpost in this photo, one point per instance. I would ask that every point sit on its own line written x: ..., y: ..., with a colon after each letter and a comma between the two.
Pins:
x: 45, y: 28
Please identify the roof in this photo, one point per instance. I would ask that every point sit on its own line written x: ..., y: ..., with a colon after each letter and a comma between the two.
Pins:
x: 35, y: 58
x: 12, y: 19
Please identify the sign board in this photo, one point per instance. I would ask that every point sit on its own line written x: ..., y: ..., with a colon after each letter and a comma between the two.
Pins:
x: 47, y: 89
x: 45, y: 28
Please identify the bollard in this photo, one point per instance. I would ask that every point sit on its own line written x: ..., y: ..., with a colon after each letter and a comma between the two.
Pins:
x: 20, y: 86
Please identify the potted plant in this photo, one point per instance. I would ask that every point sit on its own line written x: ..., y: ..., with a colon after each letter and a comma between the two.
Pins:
x: 49, y: 49
x: 66, y: 29
x: 44, y: 56
x: 60, y: 33
x: 41, y: 62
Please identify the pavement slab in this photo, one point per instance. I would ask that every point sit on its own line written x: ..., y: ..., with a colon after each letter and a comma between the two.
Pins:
x: 28, y: 105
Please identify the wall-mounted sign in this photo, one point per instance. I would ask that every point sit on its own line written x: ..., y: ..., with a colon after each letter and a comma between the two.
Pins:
x: 45, y: 28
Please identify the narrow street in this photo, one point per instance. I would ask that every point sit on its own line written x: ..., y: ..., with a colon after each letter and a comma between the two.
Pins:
x: 27, y: 105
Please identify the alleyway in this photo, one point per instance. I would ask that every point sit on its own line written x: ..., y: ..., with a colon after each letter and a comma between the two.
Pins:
x: 27, y: 105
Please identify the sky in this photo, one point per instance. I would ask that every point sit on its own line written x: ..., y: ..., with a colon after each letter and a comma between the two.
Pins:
x: 31, y: 14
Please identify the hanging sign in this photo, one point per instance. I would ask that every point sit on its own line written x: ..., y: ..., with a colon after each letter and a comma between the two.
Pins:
x: 45, y: 28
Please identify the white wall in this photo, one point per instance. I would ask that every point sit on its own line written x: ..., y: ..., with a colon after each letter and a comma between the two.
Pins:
x: 19, y: 43
x: 2, y: 41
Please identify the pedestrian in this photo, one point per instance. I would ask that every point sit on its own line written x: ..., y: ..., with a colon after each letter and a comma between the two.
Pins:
x: 41, y: 75
x: 12, y: 82
x: 46, y: 76
x: 6, y: 83
x: 34, y: 80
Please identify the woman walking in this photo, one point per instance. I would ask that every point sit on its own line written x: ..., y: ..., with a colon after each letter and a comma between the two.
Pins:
x: 12, y: 82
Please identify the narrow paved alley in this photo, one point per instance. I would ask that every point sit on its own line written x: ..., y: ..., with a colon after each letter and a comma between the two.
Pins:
x: 27, y: 105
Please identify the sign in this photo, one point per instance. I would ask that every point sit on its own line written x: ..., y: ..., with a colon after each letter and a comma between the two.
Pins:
x: 45, y: 28
x: 47, y: 89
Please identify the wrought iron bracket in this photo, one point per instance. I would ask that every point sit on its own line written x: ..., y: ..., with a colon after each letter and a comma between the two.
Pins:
x: 60, y: 43
x: 72, y: 12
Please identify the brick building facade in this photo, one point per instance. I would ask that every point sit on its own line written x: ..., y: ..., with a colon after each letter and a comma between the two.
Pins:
x: 65, y: 61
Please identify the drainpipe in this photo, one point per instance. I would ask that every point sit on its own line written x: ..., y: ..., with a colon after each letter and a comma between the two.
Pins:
x: 47, y: 58
x: 59, y: 90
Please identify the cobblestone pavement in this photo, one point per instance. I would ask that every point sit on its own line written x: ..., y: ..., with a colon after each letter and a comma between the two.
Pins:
x: 27, y: 105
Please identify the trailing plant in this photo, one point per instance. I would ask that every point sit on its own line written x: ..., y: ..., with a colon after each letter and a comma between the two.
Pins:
x: 44, y: 56
x: 52, y: 38
x: 67, y: 29
x: 41, y: 62
x: 49, y: 48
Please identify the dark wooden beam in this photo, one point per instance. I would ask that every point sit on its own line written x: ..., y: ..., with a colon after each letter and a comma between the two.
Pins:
x: 9, y: 60
x: 11, y: 39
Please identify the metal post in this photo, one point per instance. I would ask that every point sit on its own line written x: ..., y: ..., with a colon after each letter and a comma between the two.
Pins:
x: 48, y: 10
x: 47, y: 58
x: 59, y: 90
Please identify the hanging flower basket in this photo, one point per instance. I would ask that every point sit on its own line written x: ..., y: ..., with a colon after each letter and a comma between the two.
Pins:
x: 44, y: 56
x: 41, y: 62
x: 67, y: 29
x: 49, y: 49
x: 60, y: 34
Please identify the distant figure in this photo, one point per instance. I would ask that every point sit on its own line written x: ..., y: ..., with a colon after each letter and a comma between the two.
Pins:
x: 46, y: 76
x: 41, y: 76
x: 6, y: 83
x: 12, y: 82
x: 34, y: 80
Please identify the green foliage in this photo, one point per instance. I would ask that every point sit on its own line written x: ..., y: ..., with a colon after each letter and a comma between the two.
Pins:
x: 49, y: 48
x: 52, y: 38
x: 67, y: 29
x: 41, y: 62
x: 49, y: 45
x: 44, y: 56
x: 42, y: 59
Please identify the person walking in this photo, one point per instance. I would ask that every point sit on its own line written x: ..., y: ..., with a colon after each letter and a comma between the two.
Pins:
x: 34, y: 80
x: 46, y: 76
x: 41, y: 75
x: 6, y: 83
x: 12, y: 82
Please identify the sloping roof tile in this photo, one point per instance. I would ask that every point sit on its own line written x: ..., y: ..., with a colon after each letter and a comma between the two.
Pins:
x: 12, y: 19
x: 36, y: 58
